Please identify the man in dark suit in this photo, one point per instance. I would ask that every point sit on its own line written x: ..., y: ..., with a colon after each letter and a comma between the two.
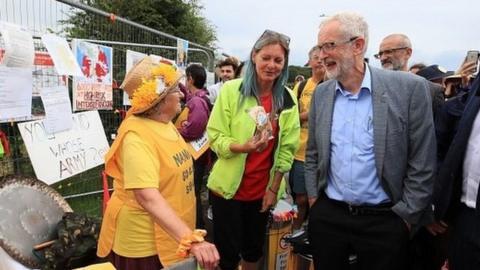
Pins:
x: 370, y: 156
x: 456, y: 191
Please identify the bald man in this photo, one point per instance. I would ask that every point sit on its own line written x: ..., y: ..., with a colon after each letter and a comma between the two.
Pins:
x: 394, y: 52
x: 426, y: 251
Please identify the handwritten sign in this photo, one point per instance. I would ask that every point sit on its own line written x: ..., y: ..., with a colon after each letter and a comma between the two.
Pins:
x: 93, y: 90
x: 199, y: 146
x: 60, y: 155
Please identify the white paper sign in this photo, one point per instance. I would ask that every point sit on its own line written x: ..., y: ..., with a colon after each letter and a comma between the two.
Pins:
x: 16, y: 86
x: 19, y: 49
x: 60, y: 155
x: 133, y: 57
x: 57, y: 109
x: 200, y: 142
x: 62, y: 56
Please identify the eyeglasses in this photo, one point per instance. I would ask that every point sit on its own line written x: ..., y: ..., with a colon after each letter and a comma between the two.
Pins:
x: 330, y: 46
x: 283, y: 38
x: 388, y: 52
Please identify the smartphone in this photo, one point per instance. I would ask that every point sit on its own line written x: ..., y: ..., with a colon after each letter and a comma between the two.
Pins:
x: 472, y: 56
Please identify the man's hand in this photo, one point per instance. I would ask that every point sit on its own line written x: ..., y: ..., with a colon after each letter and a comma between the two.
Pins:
x: 436, y: 228
x: 466, y: 70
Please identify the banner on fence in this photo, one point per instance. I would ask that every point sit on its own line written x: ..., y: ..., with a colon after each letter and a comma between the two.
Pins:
x: 61, y: 155
x: 94, y: 91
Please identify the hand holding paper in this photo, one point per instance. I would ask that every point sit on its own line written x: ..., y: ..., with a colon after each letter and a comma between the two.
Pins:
x: 262, y: 121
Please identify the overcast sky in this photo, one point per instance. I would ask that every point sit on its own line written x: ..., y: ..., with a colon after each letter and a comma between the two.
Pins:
x: 441, y: 31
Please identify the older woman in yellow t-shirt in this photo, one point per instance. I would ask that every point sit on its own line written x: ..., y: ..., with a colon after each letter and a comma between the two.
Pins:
x: 149, y: 221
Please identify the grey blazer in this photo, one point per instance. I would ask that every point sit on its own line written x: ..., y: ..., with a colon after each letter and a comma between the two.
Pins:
x: 404, y: 140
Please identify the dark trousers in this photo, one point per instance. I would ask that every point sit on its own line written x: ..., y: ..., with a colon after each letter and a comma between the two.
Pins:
x: 239, y: 230
x: 378, y: 237
x: 464, y: 246
x: 426, y: 251
x: 124, y: 263
x: 199, y: 171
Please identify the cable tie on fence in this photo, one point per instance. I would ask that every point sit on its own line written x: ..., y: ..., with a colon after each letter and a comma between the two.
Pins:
x: 113, y: 17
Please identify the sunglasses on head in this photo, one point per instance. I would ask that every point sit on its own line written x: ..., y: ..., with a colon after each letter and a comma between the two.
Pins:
x: 270, y: 33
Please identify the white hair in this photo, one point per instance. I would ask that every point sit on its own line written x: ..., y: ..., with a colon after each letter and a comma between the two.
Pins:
x: 351, y: 25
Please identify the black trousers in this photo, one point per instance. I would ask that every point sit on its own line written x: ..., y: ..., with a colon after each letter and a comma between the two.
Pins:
x: 199, y: 170
x: 464, y: 246
x: 426, y: 251
x: 239, y: 230
x: 378, y: 238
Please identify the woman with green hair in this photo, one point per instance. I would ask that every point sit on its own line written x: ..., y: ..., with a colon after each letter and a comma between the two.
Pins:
x: 254, y: 130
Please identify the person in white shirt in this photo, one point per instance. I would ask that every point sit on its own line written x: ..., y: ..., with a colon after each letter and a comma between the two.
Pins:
x: 227, y: 72
x: 456, y: 197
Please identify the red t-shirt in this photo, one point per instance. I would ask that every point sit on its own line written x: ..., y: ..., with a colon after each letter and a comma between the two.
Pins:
x: 258, y: 164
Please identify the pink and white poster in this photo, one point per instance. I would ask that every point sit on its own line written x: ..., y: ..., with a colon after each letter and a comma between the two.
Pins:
x: 94, y: 90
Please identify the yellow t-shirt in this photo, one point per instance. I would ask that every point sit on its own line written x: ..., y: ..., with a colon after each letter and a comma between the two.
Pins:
x: 135, y: 229
x: 304, y: 106
x: 149, y: 154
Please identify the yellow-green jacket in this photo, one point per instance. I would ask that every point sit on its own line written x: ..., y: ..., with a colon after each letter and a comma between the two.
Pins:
x: 230, y: 123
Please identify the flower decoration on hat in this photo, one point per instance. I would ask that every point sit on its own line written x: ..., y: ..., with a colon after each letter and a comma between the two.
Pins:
x: 162, y: 79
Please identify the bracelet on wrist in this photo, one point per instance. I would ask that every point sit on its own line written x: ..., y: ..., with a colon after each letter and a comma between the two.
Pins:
x: 186, y: 242
x: 273, y: 191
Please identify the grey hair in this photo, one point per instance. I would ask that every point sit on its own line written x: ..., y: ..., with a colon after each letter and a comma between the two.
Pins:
x: 312, y: 50
x: 404, y: 40
x: 249, y: 85
x: 351, y: 25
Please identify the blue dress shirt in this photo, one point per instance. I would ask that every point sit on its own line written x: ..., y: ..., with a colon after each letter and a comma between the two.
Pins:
x: 352, y: 176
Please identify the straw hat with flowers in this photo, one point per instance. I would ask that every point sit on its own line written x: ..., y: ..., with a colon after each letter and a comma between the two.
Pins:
x: 147, y: 83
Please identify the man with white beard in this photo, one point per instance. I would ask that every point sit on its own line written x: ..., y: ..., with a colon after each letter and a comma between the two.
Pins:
x: 370, y: 155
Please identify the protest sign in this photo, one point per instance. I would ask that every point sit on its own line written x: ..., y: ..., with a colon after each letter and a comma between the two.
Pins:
x: 60, y: 155
x: 94, y: 90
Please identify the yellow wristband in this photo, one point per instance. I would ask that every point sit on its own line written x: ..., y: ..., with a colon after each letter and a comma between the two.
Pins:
x: 186, y: 242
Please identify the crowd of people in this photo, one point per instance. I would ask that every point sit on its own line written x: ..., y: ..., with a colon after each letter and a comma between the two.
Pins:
x: 380, y: 162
